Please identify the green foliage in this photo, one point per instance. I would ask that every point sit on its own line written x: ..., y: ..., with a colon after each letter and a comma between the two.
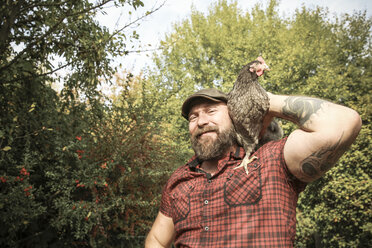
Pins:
x: 143, y: 157
x: 37, y: 170
x: 309, y: 54
x: 70, y: 166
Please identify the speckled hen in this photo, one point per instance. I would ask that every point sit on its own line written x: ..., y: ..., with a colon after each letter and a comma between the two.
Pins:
x: 248, y: 103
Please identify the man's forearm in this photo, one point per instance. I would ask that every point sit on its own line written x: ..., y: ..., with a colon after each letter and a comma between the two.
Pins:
x: 298, y: 109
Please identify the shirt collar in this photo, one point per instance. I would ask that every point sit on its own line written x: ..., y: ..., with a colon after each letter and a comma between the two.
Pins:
x: 194, y: 162
x: 236, y: 155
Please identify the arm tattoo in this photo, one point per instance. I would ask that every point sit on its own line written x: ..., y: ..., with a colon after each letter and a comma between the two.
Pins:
x: 321, y: 161
x: 300, y: 109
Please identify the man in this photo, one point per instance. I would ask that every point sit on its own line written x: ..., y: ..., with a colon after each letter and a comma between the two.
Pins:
x: 208, y: 203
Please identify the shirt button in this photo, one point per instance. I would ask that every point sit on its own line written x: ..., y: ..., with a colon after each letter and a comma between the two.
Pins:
x: 206, y: 228
x: 206, y: 202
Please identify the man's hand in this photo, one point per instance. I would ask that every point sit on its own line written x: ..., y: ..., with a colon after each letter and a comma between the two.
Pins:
x: 326, y: 130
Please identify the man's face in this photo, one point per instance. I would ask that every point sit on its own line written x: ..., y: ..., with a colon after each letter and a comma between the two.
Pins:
x: 211, y: 129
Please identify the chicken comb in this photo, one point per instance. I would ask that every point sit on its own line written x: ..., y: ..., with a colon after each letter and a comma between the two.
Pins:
x: 261, y: 60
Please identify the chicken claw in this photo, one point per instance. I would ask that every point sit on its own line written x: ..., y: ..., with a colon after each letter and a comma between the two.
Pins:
x: 245, y: 162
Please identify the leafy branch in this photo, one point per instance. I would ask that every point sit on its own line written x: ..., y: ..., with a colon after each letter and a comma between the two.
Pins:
x: 136, y: 20
x: 50, y: 31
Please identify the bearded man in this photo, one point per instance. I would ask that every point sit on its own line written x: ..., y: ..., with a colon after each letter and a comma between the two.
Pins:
x: 210, y: 203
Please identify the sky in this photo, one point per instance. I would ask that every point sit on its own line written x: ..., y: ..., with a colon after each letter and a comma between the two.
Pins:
x: 154, y: 27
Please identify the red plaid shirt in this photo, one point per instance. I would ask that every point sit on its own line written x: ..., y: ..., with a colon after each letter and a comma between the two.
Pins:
x: 231, y: 208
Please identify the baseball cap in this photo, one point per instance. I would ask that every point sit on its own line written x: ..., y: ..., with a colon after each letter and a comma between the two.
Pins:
x: 210, y: 94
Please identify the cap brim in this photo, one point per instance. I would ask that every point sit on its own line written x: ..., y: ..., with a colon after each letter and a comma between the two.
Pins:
x: 188, y: 104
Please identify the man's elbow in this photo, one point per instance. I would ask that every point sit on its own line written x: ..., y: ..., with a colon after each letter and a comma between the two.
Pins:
x: 357, y: 120
x: 348, y: 132
x: 354, y: 122
x: 345, y: 129
x: 152, y: 242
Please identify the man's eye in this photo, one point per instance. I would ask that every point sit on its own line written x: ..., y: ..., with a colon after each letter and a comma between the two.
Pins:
x: 191, y: 118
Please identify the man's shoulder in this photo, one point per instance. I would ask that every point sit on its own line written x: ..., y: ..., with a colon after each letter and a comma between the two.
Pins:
x: 180, y: 174
x: 272, y: 149
x: 272, y: 154
x: 181, y: 170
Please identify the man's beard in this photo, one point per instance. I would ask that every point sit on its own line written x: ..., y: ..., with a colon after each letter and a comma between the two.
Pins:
x: 209, y: 149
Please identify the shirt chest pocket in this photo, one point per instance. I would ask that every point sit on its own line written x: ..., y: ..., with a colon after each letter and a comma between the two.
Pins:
x: 181, y: 201
x: 241, y: 189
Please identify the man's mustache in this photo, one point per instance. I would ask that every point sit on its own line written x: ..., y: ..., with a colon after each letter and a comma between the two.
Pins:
x: 201, y: 131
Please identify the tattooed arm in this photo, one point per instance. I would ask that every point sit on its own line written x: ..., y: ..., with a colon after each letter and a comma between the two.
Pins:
x: 325, y: 132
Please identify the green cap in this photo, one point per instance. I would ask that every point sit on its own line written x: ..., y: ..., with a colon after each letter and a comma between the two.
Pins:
x: 210, y: 94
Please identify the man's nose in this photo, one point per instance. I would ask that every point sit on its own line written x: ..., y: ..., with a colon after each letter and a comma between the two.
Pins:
x: 202, y: 120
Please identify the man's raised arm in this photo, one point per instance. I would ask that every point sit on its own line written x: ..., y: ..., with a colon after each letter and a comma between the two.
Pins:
x: 326, y: 130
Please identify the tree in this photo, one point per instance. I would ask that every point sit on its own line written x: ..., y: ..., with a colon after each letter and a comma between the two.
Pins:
x: 55, y: 189
x: 309, y: 53
x: 144, y: 150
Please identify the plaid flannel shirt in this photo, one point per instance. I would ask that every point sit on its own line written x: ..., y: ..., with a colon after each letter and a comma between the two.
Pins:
x: 231, y: 208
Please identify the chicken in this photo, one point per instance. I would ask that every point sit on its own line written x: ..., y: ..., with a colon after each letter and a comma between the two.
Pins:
x: 248, y: 103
